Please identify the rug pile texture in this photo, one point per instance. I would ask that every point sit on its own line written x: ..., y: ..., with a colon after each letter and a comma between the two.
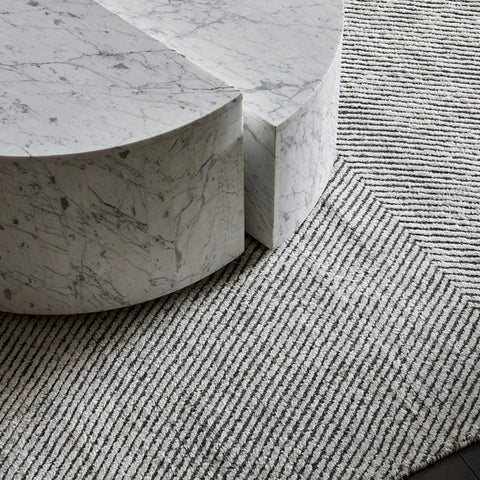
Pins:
x: 351, y: 352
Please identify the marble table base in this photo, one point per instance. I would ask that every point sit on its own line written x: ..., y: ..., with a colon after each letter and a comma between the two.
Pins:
x: 97, y: 231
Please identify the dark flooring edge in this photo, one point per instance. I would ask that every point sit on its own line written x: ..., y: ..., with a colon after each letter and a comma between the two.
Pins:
x: 445, y: 452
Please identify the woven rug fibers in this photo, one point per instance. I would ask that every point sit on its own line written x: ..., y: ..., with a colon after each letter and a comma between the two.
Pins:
x: 351, y: 352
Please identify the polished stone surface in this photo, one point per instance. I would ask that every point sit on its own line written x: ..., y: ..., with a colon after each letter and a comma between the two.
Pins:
x: 77, y: 78
x: 121, y: 163
x: 284, y: 56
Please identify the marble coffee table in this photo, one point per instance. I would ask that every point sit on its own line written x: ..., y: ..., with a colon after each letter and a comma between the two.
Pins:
x: 124, y: 138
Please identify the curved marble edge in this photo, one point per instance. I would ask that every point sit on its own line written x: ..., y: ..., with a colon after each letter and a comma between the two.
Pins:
x: 92, y: 232
x: 128, y: 145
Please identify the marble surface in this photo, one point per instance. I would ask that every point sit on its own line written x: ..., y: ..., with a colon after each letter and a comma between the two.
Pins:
x: 284, y: 56
x: 275, y: 51
x: 121, y: 163
x: 76, y: 78
x: 310, y: 138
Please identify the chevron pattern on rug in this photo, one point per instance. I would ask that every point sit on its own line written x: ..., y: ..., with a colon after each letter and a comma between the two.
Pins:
x: 351, y: 352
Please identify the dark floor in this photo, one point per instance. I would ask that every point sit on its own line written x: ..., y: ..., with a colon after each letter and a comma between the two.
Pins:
x: 463, y: 465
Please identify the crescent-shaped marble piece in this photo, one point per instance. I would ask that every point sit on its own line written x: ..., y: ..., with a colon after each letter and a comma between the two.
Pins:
x: 121, y: 162
x: 284, y: 55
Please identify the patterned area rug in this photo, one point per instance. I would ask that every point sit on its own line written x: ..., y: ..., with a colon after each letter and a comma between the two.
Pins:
x: 352, y: 352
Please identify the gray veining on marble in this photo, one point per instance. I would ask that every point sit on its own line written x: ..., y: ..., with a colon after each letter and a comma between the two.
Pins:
x: 121, y: 164
x: 275, y: 51
x: 280, y: 54
x: 75, y: 77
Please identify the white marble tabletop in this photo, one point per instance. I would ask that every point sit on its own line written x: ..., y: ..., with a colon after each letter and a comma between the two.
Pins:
x: 276, y: 52
x: 74, y: 77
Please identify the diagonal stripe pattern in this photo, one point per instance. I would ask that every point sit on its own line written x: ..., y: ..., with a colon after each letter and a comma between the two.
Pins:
x: 351, y: 352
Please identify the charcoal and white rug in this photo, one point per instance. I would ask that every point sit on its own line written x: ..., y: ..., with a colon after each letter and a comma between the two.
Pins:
x: 352, y: 352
